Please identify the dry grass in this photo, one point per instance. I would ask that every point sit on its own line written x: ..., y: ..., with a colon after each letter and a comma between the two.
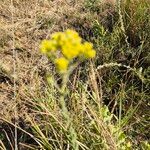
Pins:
x: 33, y: 21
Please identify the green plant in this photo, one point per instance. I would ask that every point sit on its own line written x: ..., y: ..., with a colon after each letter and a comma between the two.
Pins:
x: 63, y: 102
x: 70, y: 47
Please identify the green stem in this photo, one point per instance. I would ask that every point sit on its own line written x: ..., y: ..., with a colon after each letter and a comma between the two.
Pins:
x: 72, y: 134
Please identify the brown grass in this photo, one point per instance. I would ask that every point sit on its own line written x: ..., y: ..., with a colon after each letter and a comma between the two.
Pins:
x: 32, y: 22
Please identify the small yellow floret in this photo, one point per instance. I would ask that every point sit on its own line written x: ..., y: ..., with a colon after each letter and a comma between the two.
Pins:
x: 62, y: 64
x: 90, y: 54
x: 60, y: 38
x: 72, y: 33
x: 88, y: 51
x: 73, y: 37
x: 88, y: 45
x: 70, y: 51
x: 56, y: 36
x: 47, y: 46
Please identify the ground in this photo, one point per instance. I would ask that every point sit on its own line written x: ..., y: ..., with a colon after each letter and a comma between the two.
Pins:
x: 120, y: 33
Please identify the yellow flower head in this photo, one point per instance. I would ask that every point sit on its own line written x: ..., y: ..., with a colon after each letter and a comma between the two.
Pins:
x: 48, y: 45
x: 88, y: 51
x: 60, y: 38
x: 88, y: 45
x: 70, y: 51
x: 90, y: 54
x: 61, y: 64
x: 73, y: 36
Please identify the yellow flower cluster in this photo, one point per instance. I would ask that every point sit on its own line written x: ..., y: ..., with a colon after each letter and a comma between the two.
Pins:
x: 62, y: 64
x: 67, y: 45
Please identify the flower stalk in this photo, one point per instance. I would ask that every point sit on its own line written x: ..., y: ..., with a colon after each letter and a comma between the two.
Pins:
x: 66, y: 50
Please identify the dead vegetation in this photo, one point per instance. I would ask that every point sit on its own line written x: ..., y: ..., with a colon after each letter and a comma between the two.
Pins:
x: 31, y: 22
